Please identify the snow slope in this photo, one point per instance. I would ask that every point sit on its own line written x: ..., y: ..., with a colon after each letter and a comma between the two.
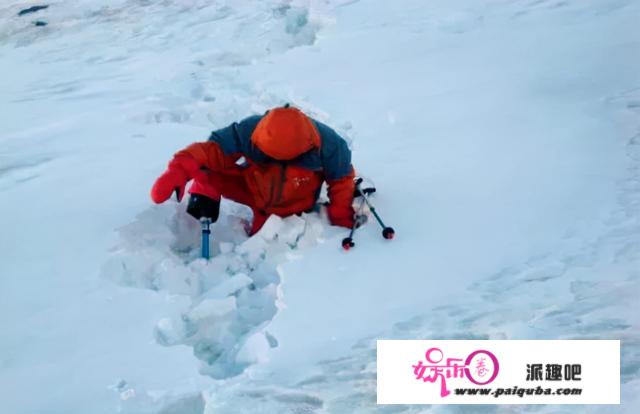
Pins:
x: 502, y: 135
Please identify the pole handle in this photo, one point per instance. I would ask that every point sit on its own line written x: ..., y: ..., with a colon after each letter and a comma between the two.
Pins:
x: 206, y: 232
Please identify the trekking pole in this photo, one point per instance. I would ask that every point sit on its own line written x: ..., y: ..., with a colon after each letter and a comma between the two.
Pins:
x: 387, y: 232
x: 348, y: 242
x: 205, y: 222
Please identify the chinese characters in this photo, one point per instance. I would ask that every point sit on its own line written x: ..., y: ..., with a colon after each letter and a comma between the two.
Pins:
x: 554, y: 372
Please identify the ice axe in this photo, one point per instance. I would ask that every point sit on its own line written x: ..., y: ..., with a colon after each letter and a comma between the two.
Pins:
x: 205, y: 222
x: 206, y: 210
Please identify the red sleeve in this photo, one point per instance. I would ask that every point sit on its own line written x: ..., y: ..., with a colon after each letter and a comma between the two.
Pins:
x: 341, y: 191
x: 210, y: 155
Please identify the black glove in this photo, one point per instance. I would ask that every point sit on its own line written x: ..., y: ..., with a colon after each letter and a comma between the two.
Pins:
x: 202, y: 206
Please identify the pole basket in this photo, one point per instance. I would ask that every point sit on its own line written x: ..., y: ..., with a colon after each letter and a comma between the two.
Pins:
x: 388, y: 233
x: 347, y: 243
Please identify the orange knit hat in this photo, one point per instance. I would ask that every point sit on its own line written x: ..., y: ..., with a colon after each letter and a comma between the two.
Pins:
x: 285, y: 133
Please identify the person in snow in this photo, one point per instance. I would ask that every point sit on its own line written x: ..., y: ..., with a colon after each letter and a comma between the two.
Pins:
x: 274, y: 163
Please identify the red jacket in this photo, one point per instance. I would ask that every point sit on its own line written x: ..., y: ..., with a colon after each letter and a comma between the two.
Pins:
x: 276, y: 164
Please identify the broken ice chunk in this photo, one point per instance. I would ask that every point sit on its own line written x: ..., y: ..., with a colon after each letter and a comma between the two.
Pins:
x: 253, y: 250
x: 229, y: 286
x: 213, y: 308
x: 271, y: 227
x: 292, y: 230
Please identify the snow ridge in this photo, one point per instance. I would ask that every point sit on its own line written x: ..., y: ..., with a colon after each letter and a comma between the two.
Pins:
x: 230, y: 299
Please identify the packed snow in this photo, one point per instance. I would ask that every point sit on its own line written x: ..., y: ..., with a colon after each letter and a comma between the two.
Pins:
x: 503, y: 137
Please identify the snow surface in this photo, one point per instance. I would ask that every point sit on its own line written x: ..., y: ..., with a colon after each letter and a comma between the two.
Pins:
x: 502, y: 135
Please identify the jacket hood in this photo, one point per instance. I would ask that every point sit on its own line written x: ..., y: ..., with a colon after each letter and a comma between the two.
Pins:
x: 285, y: 133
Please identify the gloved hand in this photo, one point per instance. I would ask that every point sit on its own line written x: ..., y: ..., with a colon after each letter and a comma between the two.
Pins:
x: 341, y: 216
x: 181, y: 169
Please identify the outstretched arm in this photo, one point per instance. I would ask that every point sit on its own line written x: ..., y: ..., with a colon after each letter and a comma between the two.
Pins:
x: 339, y: 175
x: 224, y: 147
x: 340, y: 208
